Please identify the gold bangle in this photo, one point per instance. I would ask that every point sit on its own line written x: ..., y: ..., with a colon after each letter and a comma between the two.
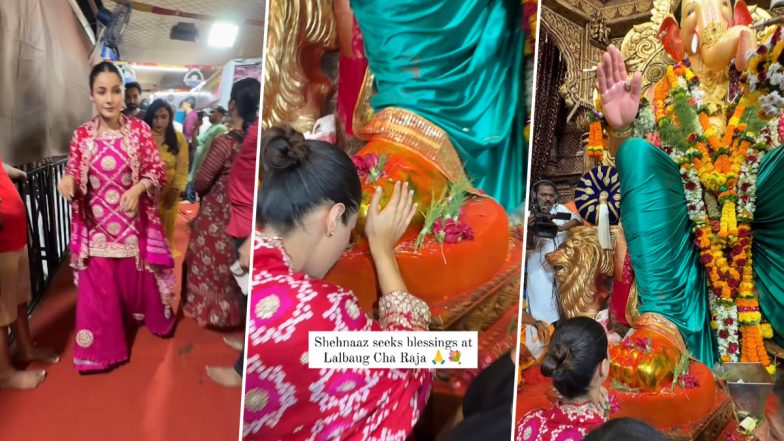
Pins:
x: 623, y: 133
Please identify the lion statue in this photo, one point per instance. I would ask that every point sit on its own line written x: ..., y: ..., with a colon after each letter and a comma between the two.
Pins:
x: 582, y: 270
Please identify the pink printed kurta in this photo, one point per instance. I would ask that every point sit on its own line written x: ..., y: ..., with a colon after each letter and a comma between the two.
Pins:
x: 286, y: 400
x: 122, y: 265
x: 562, y: 422
x: 114, y: 233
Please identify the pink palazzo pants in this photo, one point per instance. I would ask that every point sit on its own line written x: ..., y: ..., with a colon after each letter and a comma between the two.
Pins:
x: 113, y: 294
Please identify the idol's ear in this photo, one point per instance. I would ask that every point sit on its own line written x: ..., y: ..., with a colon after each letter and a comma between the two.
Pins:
x: 741, y: 16
x: 670, y: 36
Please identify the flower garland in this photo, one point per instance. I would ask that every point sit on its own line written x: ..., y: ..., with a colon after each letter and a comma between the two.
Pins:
x: 595, y: 141
x: 720, y: 168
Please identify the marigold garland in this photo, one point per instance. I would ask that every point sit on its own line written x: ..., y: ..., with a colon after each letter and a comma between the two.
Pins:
x: 719, y: 174
x: 595, y: 141
x: 716, y: 164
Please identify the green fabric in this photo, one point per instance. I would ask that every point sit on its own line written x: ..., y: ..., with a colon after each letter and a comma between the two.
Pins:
x: 458, y: 64
x: 204, y: 141
x: 768, y: 245
x: 670, y: 277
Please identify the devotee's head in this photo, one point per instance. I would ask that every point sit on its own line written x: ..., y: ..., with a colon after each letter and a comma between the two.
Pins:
x: 133, y: 95
x: 188, y: 104
x: 310, y: 191
x: 577, y: 358
x: 160, y: 117
x: 217, y: 115
x: 244, y: 100
x: 545, y: 193
x: 106, y: 90
x: 627, y: 429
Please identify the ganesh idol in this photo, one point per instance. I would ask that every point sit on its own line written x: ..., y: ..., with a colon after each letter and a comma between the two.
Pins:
x: 698, y: 262
x: 701, y: 192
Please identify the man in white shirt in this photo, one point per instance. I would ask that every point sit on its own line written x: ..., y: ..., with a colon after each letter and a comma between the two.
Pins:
x: 541, y: 289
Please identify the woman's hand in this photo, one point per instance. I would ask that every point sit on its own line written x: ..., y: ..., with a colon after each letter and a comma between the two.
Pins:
x: 67, y: 187
x: 384, y: 228
x: 14, y: 173
x: 620, y: 98
x: 542, y: 328
x: 543, y: 331
x: 129, y: 202
x: 244, y: 253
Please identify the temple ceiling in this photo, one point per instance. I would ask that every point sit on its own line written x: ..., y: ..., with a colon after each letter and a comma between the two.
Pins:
x: 618, y: 15
x: 582, y: 30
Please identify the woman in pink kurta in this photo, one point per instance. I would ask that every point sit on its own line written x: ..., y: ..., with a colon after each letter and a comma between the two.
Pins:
x: 122, y: 265
x: 307, y: 208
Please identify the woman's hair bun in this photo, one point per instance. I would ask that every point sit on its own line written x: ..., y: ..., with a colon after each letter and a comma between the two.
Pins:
x: 558, y: 357
x: 284, y: 148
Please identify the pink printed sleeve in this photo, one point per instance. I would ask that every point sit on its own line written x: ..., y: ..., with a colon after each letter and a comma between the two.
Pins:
x: 72, y: 167
x: 401, y: 311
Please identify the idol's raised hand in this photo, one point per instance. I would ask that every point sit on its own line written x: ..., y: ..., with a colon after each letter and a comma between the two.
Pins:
x: 620, y: 94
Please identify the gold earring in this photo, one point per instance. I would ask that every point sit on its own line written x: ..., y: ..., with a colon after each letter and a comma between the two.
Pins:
x: 331, y: 233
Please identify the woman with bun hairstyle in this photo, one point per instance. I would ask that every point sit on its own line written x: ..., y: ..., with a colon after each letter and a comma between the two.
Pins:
x: 122, y: 265
x: 307, y: 208
x: 578, y: 362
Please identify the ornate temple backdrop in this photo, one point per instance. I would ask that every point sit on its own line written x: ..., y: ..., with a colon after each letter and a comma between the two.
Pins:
x: 573, y: 35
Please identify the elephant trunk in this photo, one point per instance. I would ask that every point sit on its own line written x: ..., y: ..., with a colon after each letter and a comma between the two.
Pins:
x: 719, y: 48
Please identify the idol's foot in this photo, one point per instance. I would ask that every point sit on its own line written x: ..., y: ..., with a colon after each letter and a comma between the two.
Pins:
x: 225, y: 376
x: 643, y: 361
x: 235, y: 343
x: 32, y: 353
x: 21, y: 380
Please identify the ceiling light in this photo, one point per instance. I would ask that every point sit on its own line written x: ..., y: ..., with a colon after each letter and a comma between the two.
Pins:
x: 223, y: 35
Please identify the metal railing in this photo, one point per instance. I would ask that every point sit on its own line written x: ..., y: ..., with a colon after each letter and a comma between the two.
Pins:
x: 48, y: 222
